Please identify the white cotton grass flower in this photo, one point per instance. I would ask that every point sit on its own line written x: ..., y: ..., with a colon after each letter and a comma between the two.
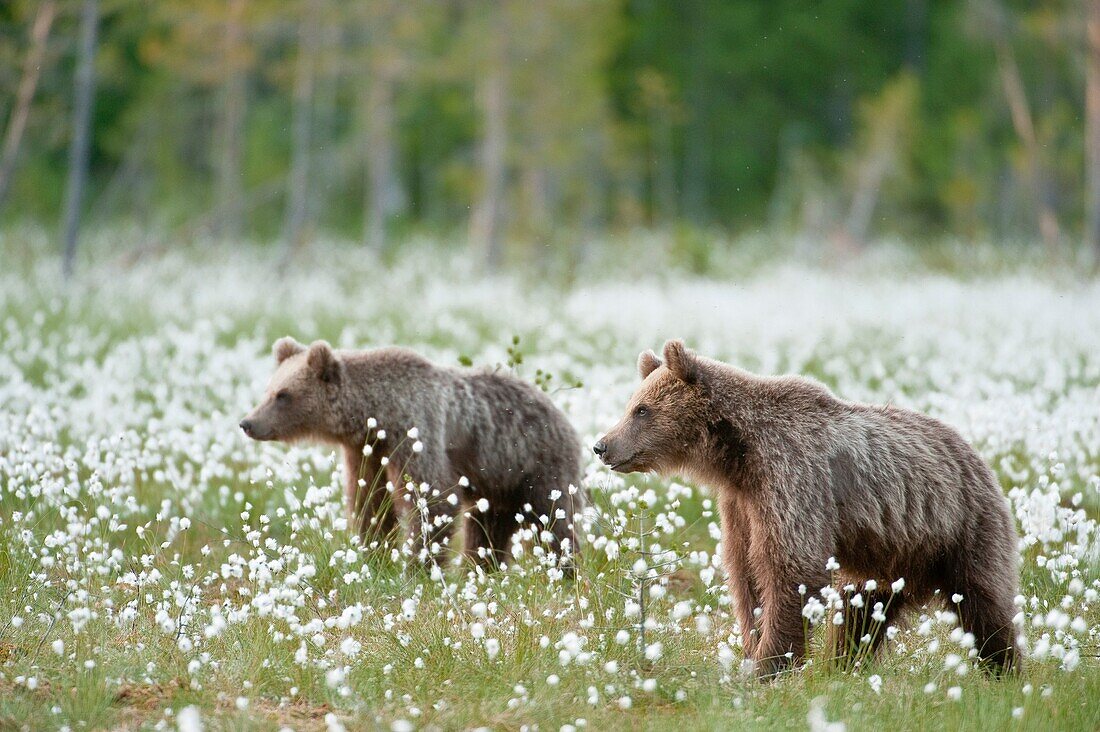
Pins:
x: 106, y: 458
x: 350, y: 647
x: 189, y: 719
x: 817, y: 720
x: 334, y: 677
x: 875, y: 682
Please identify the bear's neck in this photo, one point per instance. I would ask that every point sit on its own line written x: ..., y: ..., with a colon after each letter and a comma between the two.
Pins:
x: 727, y: 446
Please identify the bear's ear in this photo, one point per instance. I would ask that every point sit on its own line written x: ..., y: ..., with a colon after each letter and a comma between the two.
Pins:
x: 647, y: 363
x: 682, y: 362
x: 324, y: 362
x: 284, y: 348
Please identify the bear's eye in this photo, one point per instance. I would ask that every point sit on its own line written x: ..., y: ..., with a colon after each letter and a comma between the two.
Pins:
x: 283, y: 396
x: 641, y: 411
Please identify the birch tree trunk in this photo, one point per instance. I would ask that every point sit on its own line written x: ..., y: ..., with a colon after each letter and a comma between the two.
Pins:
x: 80, y: 144
x: 663, y: 168
x: 383, y: 195
x: 32, y: 68
x: 230, y: 184
x: 485, y: 223
x: 301, y: 132
x: 1025, y: 129
x: 1092, y: 133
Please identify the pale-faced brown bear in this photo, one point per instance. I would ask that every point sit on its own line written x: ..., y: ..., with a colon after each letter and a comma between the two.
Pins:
x: 479, y: 434
x: 801, y: 476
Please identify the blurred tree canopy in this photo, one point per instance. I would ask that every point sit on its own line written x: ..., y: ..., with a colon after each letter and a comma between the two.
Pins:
x: 537, y: 122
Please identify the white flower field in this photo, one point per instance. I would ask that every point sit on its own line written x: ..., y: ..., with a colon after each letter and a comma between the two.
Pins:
x: 160, y: 570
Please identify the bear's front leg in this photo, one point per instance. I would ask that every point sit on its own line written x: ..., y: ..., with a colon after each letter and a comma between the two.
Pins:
x: 782, y: 637
x: 783, y: 634
x: 735, y: 558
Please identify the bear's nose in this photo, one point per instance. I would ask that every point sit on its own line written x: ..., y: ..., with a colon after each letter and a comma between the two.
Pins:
x: 246, y: 425
x: 599, y: 448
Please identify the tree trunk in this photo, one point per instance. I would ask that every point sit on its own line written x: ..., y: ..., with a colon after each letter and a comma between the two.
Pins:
x: 301, y: 132
x: 40, y: 31
x: 1092, y: 134
x: 916, y: 29
x: 230, y: 184
x: 696, y: 143
x: 325, y: 105
x: 857, y: 225
x: 79, y: 147
x: 1025, y: 130
x: 383, y: 195
x: 663, y: 166
x: 485, y: 223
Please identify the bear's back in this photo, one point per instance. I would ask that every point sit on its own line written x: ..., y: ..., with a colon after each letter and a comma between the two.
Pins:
x: 507, y: 426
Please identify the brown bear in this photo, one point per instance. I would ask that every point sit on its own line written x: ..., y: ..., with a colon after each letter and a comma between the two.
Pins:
x: 802, y: 476
x: 439, y: 441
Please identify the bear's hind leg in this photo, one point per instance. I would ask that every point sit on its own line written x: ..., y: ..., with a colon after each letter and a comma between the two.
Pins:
x: 431, y: 501
x: 370, y: 506
x: 983, y: 571
x: 988, y: 616
x: 488, y: 536
x: 563, y: 530
x: 551, y: 515
x: 863, y: 631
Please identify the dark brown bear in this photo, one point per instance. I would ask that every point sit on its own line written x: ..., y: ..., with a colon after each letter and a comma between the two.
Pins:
x: 479, y: 435
x: 801, y: 476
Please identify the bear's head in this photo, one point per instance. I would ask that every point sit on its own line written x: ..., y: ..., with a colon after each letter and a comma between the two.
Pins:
x: 663, y: 419
x: 300, y: 402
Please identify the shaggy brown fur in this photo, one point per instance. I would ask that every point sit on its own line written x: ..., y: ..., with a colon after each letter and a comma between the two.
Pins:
x: 802, y: 476
x: 516, y: 449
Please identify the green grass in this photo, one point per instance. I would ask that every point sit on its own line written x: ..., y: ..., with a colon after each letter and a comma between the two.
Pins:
x: 117, y: 414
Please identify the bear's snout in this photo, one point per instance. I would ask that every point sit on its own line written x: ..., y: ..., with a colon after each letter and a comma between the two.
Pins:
x: 246, y: 425
x: 600, y: 448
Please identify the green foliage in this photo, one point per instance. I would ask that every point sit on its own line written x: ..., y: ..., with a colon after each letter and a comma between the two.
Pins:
x: 619, y: 114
